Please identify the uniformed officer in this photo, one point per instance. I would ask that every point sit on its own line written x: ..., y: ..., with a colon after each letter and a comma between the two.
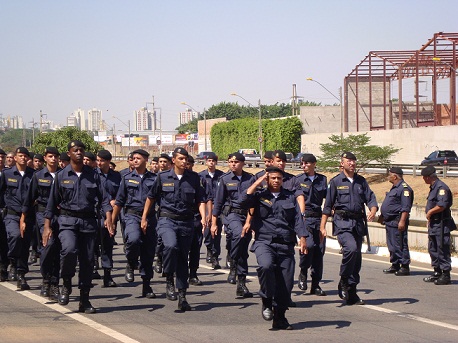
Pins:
x: 268, y: 161
x: 347, y: 194
x: 440, y: 224
x: 10, y: 162
x: 227, y: 202
x: 154, y: 165
x: 178, y: 192
x: 36, y: 200
x: 140, y: 242
x: 14, y: 184
x: 211, y: 176
x: 313, y: 187
x: 395, y: 212
x: 38, y: 161
x: 276, y: 221
x: 130, y: 165
x: 64, y: 160
x: 289, y: 180
x: 3, y: 239
x: 111, y: 181
x: 75, y: 194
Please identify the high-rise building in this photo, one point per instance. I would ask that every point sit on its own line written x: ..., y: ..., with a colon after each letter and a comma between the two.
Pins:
x: 81, y: 120
x: 143, y: 120
x: 94, y: 120
x: 72, y: 120
x: 187, y: 116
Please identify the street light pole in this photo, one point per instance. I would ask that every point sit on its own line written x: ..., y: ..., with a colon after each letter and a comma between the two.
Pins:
x: 205, y: 122
x: 128, y: 127
x: 340, y: 101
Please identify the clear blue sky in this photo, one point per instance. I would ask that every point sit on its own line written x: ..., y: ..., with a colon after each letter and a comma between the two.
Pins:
x: 59, y: 55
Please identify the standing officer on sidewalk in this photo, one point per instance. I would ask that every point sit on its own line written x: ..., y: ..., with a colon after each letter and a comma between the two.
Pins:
x: 37, y: 198
x: 178, y: 192
x: 347, y: 195
x: 140, y: 242
x: 14, y: 184
x: 395, y: 212
x: 313, y: 187
x: 227, y: 202
x: 276, y: 221
x: 440, y: 224
x: 75, y: 195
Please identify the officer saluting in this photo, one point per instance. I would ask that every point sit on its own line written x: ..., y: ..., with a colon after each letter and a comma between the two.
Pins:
x: 440, y: 224
x: 75, y: 193
x: 395, y: 213
x: 276, y: 221
x: 347, y: 194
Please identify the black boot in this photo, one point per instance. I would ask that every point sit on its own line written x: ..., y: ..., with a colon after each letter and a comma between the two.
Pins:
x: 65, y: 292
x: 170, y: 288
x: 54, y: 292
x: 267, y: 311
x: 215, y: 262
x: 343, y: 288
x: 279, y: 320
x: 147, y: 291
x: 194, y: 280
x: 129, y: 274
x: 183, y: 304
x: 242, y: 289
x: 434, y: 276
x: 231, y: 278
x: 22, y: 284
x: 107, y: 279
x: 392, y: 270
x: 444, y: 279
x: 353, y: 298
x: 12, y: 275
x: 85, y: 305
x: 302, y: 284
x: 158, y: 265
x: 3, y: 273
x: 45, y: 288
x: 403, y: 271
x: 209, y: 256
x: 33, y: 256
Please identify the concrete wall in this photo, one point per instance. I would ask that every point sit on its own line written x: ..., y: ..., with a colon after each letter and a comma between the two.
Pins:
x: 319, y: 119
x: 415, y: 143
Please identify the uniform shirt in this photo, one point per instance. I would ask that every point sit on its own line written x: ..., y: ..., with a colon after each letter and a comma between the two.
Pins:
x: 14, y: 187
x: 178, y: 196
x: 343, y: 195
x: 125, y: 171
x: 289, y: 181
x: 210, y: 182
x: 275, y: 218
x: 440, y: 195
x: 39, y: 189
x: 314, y: 191
x: 111, y: 182
x: 399, y: 199
x: 134, y: 189
x: 229, y: 190
x: 77, y: 194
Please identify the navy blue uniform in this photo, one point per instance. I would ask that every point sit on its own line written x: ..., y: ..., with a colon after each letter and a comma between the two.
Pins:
x: 110, y: 182
x: 177, y: 200
x: 276, y: 222
x: 4, y: 262
x: 440, y: 195
x: 289, y: 180
x: 212, y: 243
x: 314, y: 192
x: 227, y: 202
x: 14, y: 188
x: 347, y: 199
x: 131, y: 196
x: 74, y: 199
x: 399, y: 199
x: 38, y: 196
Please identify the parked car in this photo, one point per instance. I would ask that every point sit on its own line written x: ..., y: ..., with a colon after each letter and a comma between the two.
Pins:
x: 202, y: 156
x: 252, y: 157
x: 441, y: 158
x: 298, y: 157
x: 289, y: 156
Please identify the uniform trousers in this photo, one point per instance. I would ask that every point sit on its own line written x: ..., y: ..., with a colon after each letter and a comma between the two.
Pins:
x: 314, y: 258
x: 350, y: 267
x: 214, y: 243
x: 18, y: 247
x: 238, y: 244
x: 398, y: 254
x: 106, y: 245
x: 194, y: 252
x: 4, y: 262
x: 49, y: 258
x: 275, y: 271
x: 440, y: 258
x: 176, y: 237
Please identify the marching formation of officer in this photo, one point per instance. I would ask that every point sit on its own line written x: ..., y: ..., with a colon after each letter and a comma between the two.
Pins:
x: 75, y: 204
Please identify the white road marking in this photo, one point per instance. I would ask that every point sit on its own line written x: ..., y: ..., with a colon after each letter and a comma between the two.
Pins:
x: 75, y: 316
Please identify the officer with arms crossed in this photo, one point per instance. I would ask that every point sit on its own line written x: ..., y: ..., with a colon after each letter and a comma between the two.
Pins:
x: 75, y: 195
x: 395, y: 212
x: 276, y: 221
x: 347, y: 194
x: 178, y: 191
x: 440, y: 224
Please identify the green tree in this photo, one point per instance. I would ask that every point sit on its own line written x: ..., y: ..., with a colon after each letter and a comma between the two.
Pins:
x: 10, y: 139
x: 357, y: 144
x: 62, y: 137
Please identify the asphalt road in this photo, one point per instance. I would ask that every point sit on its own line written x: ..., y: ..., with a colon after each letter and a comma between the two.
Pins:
x: 403, y: 309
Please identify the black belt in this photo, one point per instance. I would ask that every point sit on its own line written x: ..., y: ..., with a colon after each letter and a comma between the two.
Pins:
x: 183, y: 218
x: 312, y: 214
x: 238, y: 211
x: 13, y: 212
x: 76, y: 214
x: 133, y: 211
x: 41, y: 208
x: 348, y: 214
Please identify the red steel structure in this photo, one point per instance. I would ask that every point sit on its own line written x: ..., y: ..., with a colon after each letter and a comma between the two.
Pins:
x: 369, y: 104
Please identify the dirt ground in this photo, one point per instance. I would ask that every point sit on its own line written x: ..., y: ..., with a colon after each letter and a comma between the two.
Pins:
x: 378, y: 183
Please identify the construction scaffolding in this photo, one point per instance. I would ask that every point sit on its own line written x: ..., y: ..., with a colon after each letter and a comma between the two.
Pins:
x: 379, y: 93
